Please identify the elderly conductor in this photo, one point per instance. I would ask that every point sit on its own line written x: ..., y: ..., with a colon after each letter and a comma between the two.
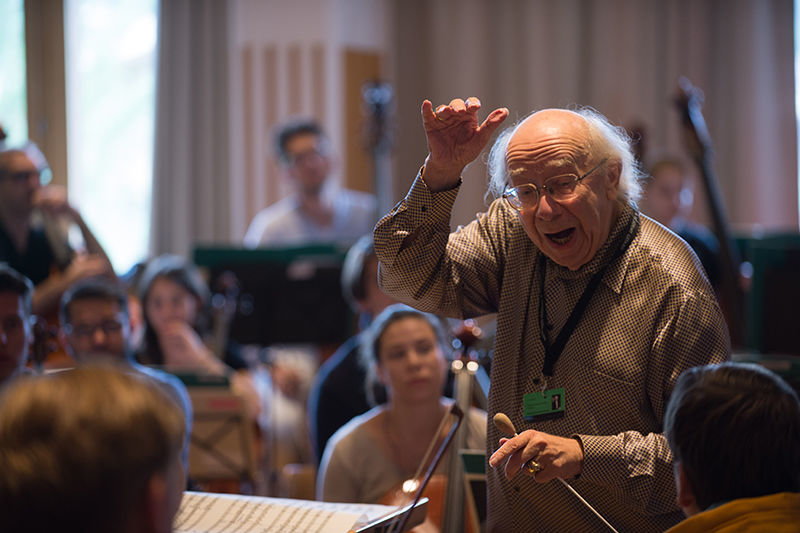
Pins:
x: 599, y: 310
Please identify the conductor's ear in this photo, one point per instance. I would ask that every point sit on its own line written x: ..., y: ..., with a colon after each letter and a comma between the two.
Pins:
x: 613, y: 173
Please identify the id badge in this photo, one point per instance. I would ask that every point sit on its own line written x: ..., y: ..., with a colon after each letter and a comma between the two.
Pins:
x: 543, y: 405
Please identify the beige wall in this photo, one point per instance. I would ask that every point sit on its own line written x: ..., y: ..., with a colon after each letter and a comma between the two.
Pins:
x: 624, y: 58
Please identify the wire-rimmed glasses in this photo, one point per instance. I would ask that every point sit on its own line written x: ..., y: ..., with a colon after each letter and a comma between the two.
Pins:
x: 560, y: 188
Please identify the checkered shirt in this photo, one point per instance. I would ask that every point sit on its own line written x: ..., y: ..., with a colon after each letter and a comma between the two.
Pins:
x: 652, y: 316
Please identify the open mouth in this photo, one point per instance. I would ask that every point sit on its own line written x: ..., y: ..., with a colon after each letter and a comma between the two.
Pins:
x: 561, y: 237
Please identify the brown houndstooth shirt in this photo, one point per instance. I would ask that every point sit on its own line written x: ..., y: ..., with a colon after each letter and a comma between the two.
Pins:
x: 653, y: 316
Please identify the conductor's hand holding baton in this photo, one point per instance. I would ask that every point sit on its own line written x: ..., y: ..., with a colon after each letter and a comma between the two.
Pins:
x: 544, y: 456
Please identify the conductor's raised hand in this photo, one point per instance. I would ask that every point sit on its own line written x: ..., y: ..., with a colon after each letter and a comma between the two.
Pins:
x: 455, y: 138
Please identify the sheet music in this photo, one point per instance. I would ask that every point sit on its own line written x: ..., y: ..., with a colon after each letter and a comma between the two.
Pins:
x: 231, y: 513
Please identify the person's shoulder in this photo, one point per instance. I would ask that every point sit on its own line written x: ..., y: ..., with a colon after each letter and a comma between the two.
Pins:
x: 172, y: 383
x: 343, y: 362
x: 357, y: 203
x: 358, y: 197
x: 276, y: 212
x: 667, y: 252
x: 273, y: 222
x: 353, y: 433
x: 159, y: 375
x: 502, y: 218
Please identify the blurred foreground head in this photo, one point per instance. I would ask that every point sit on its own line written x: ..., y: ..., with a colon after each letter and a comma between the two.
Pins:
x: 90, y: 450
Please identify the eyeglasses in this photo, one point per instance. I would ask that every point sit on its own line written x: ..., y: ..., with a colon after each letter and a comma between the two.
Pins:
x: 307, y: 156
x: 560, y: 188
x: 109, y: 327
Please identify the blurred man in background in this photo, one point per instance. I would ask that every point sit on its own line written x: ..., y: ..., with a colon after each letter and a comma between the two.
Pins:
x: 319, y: 210
x: 34, y: 222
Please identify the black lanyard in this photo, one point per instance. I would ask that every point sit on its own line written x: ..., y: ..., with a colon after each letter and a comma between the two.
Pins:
x: 553, y: 352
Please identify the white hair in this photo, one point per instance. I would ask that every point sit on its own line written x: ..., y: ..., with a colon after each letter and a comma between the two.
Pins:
x: 614, y: 141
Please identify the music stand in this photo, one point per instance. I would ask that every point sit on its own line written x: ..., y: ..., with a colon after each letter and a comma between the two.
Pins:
x: 222, y: 443
x: 285, y: 295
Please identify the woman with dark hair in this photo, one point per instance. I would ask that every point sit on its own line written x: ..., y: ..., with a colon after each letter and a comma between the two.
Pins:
x: 175, y: 305
x: 405, y: 350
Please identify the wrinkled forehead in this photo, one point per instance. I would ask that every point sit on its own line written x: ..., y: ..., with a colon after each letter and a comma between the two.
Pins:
x: 549, y: 138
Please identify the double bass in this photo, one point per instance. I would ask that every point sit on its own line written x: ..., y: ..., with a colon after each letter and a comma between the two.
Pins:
x: 698, y: 142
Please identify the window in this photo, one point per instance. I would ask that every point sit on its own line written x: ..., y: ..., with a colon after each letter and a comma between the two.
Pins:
x: 13, y: 103
x: 110, y: 48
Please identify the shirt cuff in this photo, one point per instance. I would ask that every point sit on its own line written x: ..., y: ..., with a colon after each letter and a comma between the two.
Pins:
x: 602, y: 456
x: 424, y: 203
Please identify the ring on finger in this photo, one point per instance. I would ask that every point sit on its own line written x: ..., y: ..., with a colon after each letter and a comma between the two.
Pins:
x: 533, y: 467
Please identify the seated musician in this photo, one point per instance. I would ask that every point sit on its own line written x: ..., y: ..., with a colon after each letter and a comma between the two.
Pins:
x: 175, y: 303
x: 32, y: 240
x: 734, y: 430
x: 91, y: 450
x: 177, y: 336
x: 15, y: 322
x: 95, y: 326
x: 370, y: 457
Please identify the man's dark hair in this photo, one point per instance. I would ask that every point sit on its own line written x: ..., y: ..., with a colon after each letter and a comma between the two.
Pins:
x: 289, y: 130
x: 14, y: 282
x: 735, y: 429
x: 93, y: 289
x: 354, y: 285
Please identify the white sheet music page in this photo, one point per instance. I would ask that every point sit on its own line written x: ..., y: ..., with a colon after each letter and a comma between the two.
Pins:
x: 202, y: 512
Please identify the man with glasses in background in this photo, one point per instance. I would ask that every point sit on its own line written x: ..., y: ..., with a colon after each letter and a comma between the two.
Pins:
x: 34, y: 219
x: 95, y: 327
x: 597, y: 306
x: 319, y: 210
